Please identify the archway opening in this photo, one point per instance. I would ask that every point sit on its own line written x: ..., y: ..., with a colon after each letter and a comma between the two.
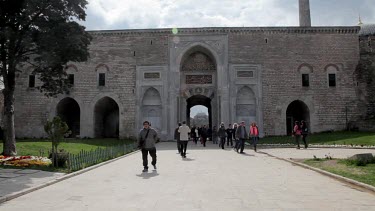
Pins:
x: 199, y: 116
x: 106, y: 114
x: 69, y: 112
x: 296, y: 111
x: 199, y: 107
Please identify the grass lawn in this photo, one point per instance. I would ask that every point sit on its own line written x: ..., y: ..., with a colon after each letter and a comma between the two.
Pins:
x: 39, y: 147
x: 342, y: 138
x: 365, y: 174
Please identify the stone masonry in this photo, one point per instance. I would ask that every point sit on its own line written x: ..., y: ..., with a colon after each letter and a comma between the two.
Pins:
x: 143, y: 76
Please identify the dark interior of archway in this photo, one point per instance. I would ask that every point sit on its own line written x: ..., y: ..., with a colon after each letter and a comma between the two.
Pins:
x: 198, y: 100
x: 106, y: 118
x: 69, y: 112
x: 297, y: 111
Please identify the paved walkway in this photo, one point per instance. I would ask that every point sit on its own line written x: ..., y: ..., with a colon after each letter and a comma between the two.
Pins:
x: 208, y: 179
x: 16, y: 180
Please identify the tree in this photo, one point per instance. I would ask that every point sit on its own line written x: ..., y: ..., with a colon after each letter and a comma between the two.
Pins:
x: 42, y: 34
x: 56, y: 130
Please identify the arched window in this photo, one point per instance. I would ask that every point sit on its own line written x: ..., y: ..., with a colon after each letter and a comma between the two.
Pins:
x: 332, y: 71
x: 102, y: 70
x: 305, y: 70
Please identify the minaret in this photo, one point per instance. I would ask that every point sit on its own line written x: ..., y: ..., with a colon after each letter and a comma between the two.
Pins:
x: 304, y: 13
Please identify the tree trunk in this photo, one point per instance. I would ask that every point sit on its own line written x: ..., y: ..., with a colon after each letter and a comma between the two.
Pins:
x: 9, y: 132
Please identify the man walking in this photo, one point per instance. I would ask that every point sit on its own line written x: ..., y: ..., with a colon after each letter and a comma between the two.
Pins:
x: 177, y: 138
x: 184, y: 131
x: 242, y: 135
x: 146, y: 142
x: 230, y: 135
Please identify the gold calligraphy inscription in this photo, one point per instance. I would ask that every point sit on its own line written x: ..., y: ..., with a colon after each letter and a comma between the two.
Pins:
x: 199, y: 79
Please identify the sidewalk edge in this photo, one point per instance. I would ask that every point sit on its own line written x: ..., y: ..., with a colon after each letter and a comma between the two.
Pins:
x: 329, y: 174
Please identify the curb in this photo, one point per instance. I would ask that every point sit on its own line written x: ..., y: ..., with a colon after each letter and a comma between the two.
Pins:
x: 264, y: 146
x: 329, y: 174
x: 65, y: 177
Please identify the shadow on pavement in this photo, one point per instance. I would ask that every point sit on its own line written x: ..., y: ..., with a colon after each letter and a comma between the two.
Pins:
x: 148, y: 175
x: 187, y: 159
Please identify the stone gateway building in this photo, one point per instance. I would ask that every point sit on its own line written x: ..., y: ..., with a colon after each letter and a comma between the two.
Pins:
x: 270, y: 75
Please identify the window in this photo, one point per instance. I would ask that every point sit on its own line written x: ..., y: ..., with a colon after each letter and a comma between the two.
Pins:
x: 332, y: 80
x: 31, y: 81
x: 305, y: 80
x: 71, y: 79
x: 101, y: 79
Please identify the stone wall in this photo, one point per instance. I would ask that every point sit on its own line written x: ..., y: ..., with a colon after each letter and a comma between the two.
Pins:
x: 277, y: 52
x: 281, y: 55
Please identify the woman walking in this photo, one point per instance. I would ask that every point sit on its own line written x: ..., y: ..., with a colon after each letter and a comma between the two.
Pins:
x: 297, y: 133
x: 254, y: 134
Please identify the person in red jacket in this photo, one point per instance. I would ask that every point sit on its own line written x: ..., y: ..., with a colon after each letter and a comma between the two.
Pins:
x: 254, y: 134
x: 297, y: 133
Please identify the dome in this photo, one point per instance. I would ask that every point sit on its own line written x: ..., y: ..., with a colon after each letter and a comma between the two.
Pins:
x: 367, y: 29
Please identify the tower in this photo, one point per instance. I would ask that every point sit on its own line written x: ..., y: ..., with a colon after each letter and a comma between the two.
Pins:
x: 304, y: 13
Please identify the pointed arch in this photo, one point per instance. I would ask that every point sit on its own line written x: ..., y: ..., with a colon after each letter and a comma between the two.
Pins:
x: 152, y: 107
x: 246, y: 109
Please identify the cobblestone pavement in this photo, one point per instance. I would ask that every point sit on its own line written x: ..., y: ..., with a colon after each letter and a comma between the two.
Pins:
x: 208, y: 179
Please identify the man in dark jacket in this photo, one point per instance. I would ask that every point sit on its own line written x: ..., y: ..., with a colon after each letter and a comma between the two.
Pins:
x: 229, y: 135
x: 177, y: 138
x: 146, y: 142
x: 242, y: 135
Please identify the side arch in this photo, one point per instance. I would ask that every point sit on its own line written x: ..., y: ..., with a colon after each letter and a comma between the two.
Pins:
x: 296, y: 111
x: 70, y: 112
x: 106, y: 118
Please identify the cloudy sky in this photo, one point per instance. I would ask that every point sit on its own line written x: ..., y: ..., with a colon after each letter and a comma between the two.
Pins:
x: 139, y: 14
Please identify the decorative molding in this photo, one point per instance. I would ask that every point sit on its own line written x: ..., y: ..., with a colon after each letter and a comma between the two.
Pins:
x: 225, y: 30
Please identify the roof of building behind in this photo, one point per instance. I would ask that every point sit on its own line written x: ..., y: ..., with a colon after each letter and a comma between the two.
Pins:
x: 367, y: 29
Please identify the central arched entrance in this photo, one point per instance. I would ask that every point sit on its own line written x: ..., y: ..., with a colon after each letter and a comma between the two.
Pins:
x: 296, y: 111
x: 198, y: 84
x: 199, y: 100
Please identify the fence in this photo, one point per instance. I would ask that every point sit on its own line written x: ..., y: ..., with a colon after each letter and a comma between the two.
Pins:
x: 88, y: 158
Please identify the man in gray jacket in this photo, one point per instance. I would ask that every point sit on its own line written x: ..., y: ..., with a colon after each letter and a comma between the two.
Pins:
x: 241, y: 134
x: 146, y: 142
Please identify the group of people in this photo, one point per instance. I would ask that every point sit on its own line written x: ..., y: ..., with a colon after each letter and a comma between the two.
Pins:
x: 300, y: 130
x: 183, y: 134
x: 221, y: 136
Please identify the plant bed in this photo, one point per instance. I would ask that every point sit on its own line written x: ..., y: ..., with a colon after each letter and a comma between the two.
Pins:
x: 345, y: 168
x: 24, y: 161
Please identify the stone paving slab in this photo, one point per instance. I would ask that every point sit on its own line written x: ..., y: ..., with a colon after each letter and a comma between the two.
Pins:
x: 209, y: 179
